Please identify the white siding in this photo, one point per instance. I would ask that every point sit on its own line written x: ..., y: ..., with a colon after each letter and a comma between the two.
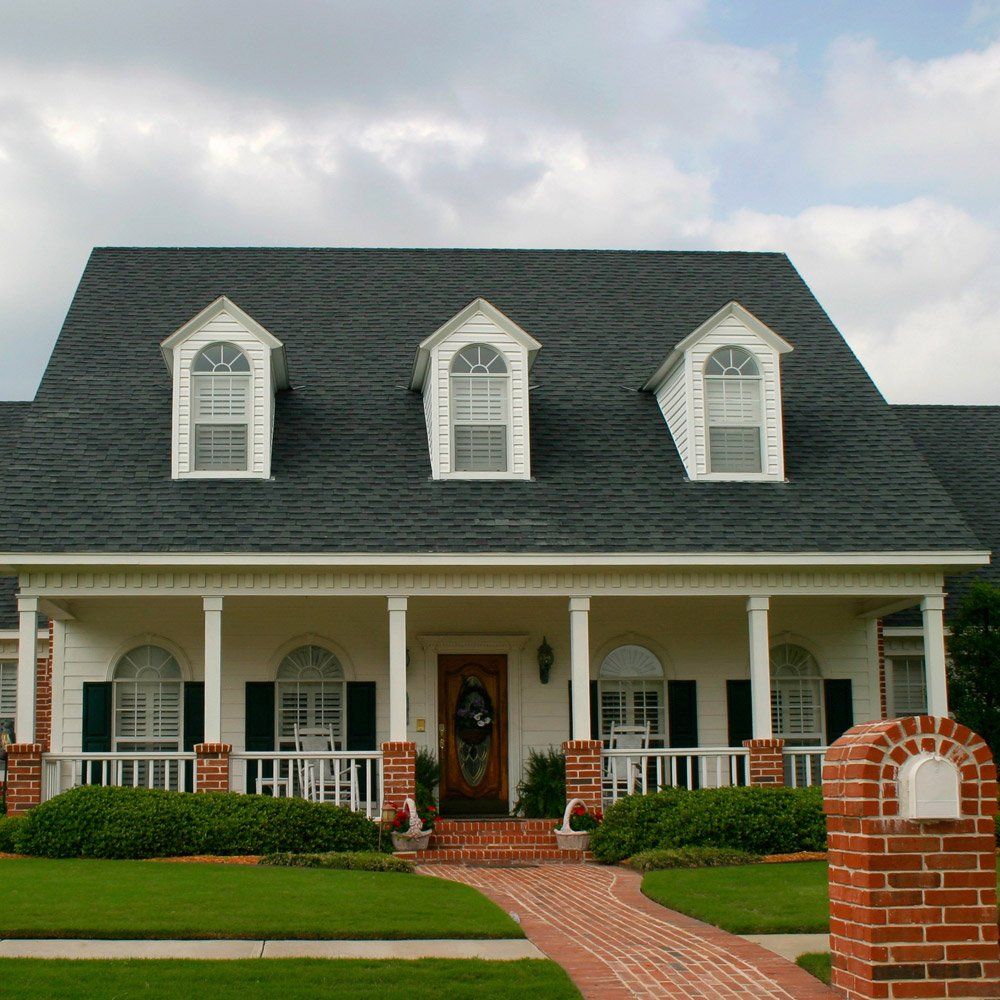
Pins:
x: 224, y: 327
x: 478, y: 329
x: 673, y: 399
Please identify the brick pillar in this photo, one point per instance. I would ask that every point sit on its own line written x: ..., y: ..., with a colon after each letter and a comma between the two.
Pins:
x: 766, y: 762
x: 913, y: 903
x: 399, y: 772
x: 583, y: 771
x: 24, y: 777
x: 43, y: 696
x: 212, y: 767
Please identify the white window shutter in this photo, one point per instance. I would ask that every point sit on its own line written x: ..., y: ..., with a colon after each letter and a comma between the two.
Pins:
x: 220, y: 447
x: 481, y: 449
x: 8, y: 688
x: 734, y: 449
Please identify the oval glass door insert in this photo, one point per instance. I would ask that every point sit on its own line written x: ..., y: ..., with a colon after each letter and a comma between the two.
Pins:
x: 473, y: 729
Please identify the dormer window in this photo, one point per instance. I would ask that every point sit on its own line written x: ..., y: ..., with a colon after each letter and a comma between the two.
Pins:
x: 220, y: 407
x: 480, y: 391
x: 733, y: 411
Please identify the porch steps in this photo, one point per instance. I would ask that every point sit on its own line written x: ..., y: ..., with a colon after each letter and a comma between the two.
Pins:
x: 497, y: 843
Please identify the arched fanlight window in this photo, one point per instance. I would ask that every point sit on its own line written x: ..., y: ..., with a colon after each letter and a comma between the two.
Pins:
x: 480, y: 409
x: 311, y: 691
x: 734, y: 415
x: 220, y: 408
x: 147, y: 700
x: 796, y: 696
x: 630, y: 687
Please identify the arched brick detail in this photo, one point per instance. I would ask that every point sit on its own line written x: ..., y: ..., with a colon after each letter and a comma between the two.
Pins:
x: 913, y: 905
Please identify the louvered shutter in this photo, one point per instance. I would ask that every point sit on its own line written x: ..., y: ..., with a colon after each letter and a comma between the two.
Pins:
x: 909, y: 686
x: 8, y: 688
x: 221, y: 418
x: 682, y: 718
x: 479, y: 408
x: 739, y: 710
x: 733, y: 410
x: 734, y: 449
x: 839, y: 698
x: 96, y: 717
x: 259, y: 727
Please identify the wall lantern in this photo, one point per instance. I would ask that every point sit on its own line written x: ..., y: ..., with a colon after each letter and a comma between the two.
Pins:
x: 546, y: 657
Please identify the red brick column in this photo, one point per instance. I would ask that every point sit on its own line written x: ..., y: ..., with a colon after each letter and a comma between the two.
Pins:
x: 43, y: 696
x: 583, y: 771
x: 766, y: 763
x: 24, y: 777
x: 399, y: 774
x: 913, y: 905
x: 212, y: 767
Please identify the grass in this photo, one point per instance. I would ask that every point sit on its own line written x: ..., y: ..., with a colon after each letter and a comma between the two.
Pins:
x: 752, y: 899
x: 148, y: 899
x: 816, y: 963
x: 290, y: 979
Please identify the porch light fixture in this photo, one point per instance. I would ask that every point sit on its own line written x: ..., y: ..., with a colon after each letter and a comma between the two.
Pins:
x: 546, y: 657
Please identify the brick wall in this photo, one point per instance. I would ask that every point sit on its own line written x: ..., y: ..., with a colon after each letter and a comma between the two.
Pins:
x: 399, y: 775
x: 913, y: 903
x: 212, y: 765
x: 583, y: 771
x: 24, y: 777
x: 766, y: 763
x: 882, y: 685
x: 43, y: 695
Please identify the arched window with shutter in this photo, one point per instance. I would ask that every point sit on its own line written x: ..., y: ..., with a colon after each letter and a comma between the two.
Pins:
x: 311, y: 690
x: 796, y: 696
x: 631, y: 690
x: 221, y: 409
x: 147, y: 701
x: 480, y: 410
x: 733, y: 410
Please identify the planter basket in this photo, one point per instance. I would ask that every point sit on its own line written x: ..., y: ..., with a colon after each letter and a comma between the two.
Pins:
x: 573, y: 840
x: 409, y: 842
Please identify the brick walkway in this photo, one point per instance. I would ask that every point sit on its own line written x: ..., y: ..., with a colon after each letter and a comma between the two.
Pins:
x: 617, y: 944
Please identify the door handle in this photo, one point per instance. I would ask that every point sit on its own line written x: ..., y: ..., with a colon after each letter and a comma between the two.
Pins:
x: 441, y: 739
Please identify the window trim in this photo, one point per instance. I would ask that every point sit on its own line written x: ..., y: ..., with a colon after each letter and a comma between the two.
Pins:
x: 507, y: 408
x: 195, y: 378
x: 760, y: 425
x: 890, y: 670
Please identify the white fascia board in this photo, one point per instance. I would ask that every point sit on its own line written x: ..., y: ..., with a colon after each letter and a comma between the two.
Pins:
x: 14, y: 562
x: 459, y: 319
x: 731, y: 309
x: 279, y: 362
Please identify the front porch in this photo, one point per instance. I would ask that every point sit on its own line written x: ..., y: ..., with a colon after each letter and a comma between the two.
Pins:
x: 194, y: 691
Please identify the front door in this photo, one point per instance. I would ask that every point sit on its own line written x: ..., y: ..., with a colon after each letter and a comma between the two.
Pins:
x: 472, y: 733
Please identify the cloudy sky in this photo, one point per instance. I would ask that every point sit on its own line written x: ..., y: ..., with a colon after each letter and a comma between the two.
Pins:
x: 862, y: 138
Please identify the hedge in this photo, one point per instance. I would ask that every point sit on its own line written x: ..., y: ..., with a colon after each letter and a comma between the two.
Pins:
x: 690, y: 857
x: 359, y: 861
x: 97, y: 822
x: 756, y: 820
x: 9, y: 825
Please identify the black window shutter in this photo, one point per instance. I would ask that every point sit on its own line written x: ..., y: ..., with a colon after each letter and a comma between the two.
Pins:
x: 97, y: 717
x: 682, y: 713
x: 259, y: 727
x: 839, y: 699
x: 739, y: 709
x: 595, y: 720
x: 194, y: 714
x: 361, y: 715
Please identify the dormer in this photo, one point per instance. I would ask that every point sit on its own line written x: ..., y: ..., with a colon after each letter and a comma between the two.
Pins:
x: 720, y: 393
x: 473, y: 375
x: 226, y: 369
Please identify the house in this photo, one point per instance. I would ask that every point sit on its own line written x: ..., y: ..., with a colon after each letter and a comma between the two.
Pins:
x: 645, y: 505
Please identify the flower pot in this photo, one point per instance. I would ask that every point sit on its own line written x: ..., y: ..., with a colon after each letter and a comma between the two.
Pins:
x: 411, y: 842
x: 573, y: 840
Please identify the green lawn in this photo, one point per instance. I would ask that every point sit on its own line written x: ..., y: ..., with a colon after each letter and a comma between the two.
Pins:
x: 816, y: 963
x: 289, y: 979
x: 147, y: 899
x: 752, y: 899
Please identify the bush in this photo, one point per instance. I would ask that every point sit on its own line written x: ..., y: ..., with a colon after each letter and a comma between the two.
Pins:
x: 690, y: 857
x: 757, y: 820
x: 9, y: 828
x: 97, y: 822
x: 358, y: 861
x: 542, y: 792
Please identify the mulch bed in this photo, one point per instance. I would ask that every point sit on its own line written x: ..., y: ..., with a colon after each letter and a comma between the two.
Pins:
x: 778, y: 859
x: 214, y: 859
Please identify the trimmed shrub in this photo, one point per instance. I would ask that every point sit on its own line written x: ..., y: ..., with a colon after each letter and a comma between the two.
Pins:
x: 428, y: 774
x: 9, y: 827
x: 97, y: 822
x: 757, y: 820
x: 358, y: 861
x: 690, y: 857
x: 542, y: 792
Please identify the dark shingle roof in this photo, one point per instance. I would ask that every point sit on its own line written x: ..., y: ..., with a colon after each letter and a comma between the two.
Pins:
x: 962, y: 446
x: 350, y: 466
x: 8, y: 602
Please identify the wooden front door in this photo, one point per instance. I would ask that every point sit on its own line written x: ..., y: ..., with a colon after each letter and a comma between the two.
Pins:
x: 472, y: 733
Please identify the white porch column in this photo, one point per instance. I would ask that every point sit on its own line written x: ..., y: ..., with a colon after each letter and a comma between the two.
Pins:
x: 397, y: 669
x: 27, y: 667
x: 932, y: 609
x: 760, y: 666
x: 213, y: 669
x: 579, y: 661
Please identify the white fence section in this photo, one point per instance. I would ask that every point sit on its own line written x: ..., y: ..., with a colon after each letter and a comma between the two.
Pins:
x: 172, y: 771
x: 344, y: 778
x: 804, y: 766
x: 628, y: 772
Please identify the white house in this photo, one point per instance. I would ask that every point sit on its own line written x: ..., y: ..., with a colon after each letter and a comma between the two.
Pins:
x: 370, y: 490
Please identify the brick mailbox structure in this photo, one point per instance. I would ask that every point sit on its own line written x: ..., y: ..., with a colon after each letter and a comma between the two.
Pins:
x: 911, y: 807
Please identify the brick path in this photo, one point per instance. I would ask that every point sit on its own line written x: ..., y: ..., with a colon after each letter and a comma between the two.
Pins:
x: 616, y: 944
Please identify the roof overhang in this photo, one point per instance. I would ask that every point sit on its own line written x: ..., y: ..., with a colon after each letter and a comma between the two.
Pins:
x: 493, y: 314
x: 730, y: 310
x: 279, y: 363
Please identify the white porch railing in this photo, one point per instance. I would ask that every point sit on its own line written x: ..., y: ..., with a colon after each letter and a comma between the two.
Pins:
x: 804, y: 766
x: 172, y: 771
x: 628, y: 772
x: 345, y: 778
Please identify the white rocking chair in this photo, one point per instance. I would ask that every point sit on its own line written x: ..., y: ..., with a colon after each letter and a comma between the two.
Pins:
x: 624, y: 775
x: 324, y: 780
